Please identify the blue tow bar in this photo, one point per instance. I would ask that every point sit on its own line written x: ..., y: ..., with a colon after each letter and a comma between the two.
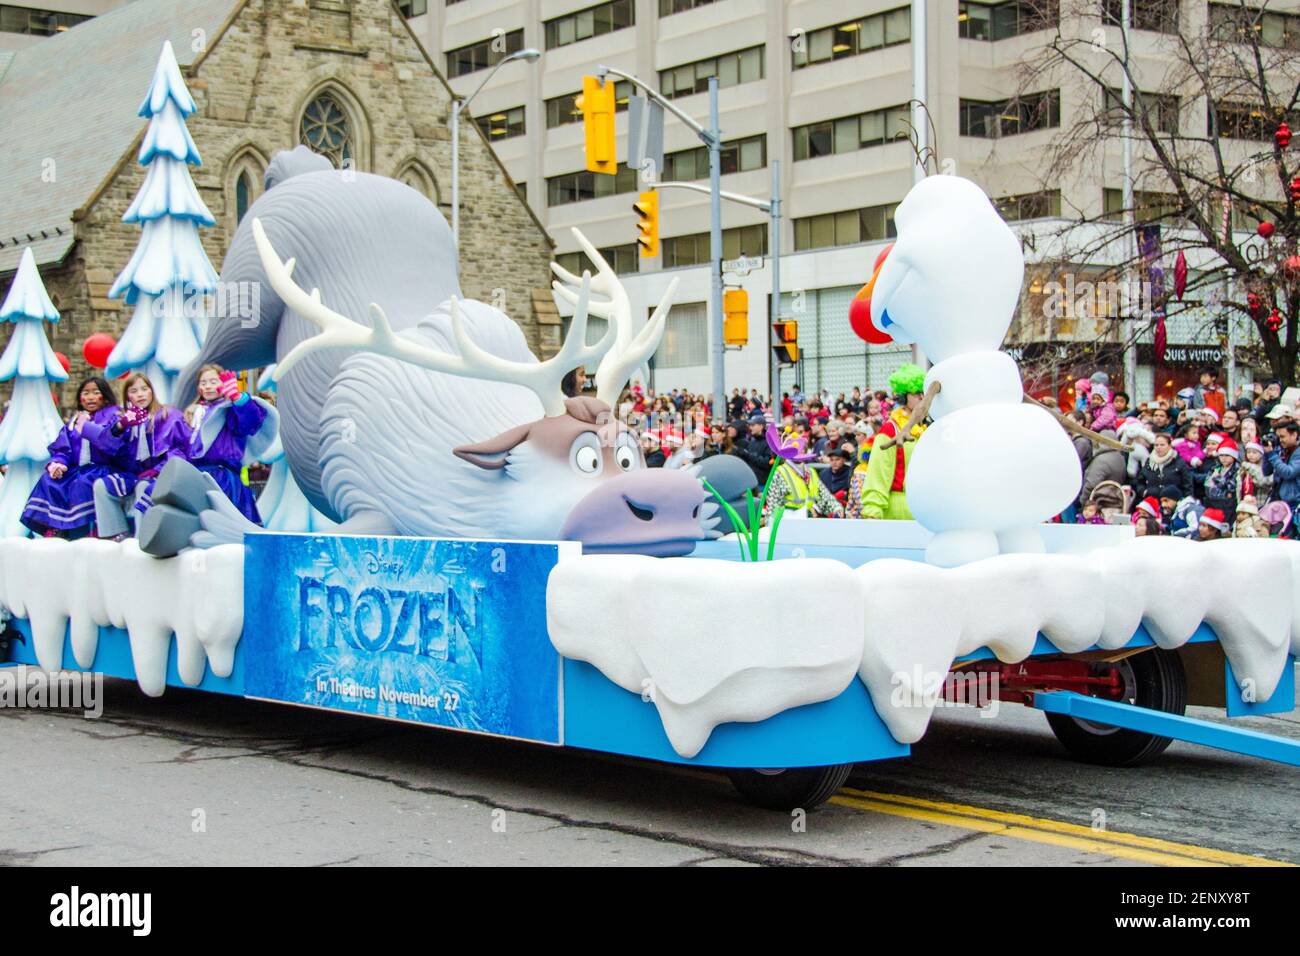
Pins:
x: 1190, y: 729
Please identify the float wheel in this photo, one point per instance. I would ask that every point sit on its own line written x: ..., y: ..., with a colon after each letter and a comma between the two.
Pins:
x: 790, y: 788
x: 1154, y: 679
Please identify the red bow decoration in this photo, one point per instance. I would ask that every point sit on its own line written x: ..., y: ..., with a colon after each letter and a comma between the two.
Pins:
x: 1161, y: 337
x: 1180, y: 275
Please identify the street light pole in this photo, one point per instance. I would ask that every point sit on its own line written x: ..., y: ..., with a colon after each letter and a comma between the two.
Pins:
x: 1131, y: 250
x: 920, y: 116
x: 458, y: 106
x: 719, y: 404
x: 774, y: 374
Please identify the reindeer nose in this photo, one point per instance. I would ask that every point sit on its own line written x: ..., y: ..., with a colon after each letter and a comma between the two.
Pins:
x: 649, y: 511
x: 645, y: 513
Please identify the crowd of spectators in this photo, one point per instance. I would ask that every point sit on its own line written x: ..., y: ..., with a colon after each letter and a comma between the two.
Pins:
x: 1203, y: 464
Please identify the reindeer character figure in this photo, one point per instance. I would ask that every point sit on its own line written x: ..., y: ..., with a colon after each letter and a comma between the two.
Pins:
x: 401, y: 446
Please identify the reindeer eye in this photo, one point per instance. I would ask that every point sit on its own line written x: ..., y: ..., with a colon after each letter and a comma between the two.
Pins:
x: 584, y: 454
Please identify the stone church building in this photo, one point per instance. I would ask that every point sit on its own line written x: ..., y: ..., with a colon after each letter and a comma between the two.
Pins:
x: 345, y: 77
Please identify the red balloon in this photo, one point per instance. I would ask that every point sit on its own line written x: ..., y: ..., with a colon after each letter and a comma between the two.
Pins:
x: 1265, y: 229
x: 97, y: 348
x: 860, y: 321
x: 64, y: 361
x: 881, y: 258
x: 860, y: 309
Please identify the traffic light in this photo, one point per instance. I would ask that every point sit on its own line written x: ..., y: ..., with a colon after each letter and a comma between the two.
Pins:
x: 786, y: 344
x: 735, y: 317
x: 596, y: 103
x: 647, y: 223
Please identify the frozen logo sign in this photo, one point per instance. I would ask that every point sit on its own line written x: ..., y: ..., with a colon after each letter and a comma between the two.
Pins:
x: 375, y: 619
x: 436, y: 631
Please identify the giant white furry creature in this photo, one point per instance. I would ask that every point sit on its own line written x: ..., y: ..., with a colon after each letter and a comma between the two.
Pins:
x: 407, y: 410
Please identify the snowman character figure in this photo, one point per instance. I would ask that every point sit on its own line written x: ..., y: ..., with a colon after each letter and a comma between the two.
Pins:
x: 991, y: 468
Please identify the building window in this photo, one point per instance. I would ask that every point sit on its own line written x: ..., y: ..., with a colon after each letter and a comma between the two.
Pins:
x: 1160, y: 16
x: 849, y: 39
x: 522, y: 190
x: 243, y: 195
x: 686, y: 337
x: 481, y: 55
x: 850, y: 133
x: 577, y: 187
x: 326, y: 129
x: 1233, y: 24
x: 418, y: 179
x: 992, y: 120
x: 1162, y: 109
x: 1038, y: 205
x: 560, y: 110
x: 1241, y: 121
x: 502, y: 124
x: 621, y: 259
x: 1001, y: 21
x: 693, y: 250
x: 592, y: 22
x: 40, y: 23
x: 1147, y: 206
x: 669, y: 7
x: 738, y: 156
x: 845, y: 228
x: 414, y: 8
x: 743, y: 66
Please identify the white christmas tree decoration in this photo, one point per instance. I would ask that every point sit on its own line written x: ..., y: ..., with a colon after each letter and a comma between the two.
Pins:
x: 31, y: 421
x: 169, y: 273
x: 282, y: 504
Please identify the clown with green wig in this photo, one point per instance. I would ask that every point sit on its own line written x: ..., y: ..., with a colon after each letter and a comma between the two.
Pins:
x: 882, y: 492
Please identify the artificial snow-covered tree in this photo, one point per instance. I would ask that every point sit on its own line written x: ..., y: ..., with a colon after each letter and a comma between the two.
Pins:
x: 169, y: 274
x: 282, y: 504
x: 31, y: 421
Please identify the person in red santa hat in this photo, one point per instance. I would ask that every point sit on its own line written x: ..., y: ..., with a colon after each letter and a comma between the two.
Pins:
x: 1147, y: 518
x: 1214, y: 525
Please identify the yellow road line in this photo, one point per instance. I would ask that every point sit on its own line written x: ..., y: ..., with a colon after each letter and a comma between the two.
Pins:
x: 1128, y: 846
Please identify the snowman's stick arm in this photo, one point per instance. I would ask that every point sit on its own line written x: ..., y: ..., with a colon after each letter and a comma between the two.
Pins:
x: 1070, y: 425
x: 918, y: 415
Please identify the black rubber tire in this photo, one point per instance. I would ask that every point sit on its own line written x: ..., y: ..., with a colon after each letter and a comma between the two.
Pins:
x: 1160, y: 683
x: 793, y: 788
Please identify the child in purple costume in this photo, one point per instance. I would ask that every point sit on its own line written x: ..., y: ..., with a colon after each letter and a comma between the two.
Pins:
x: 86, y: 450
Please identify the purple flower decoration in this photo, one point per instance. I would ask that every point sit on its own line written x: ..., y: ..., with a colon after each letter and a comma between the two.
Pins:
x: 790, y: 451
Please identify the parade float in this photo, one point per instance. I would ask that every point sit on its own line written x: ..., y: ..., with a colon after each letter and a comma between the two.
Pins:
x: 478, y: 551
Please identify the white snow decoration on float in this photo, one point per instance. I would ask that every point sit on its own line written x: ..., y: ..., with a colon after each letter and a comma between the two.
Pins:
x: 169, y: 272
x: 78, y: 587
x: 31, y: 420
x: 710, y: 642
x: 735, y: 650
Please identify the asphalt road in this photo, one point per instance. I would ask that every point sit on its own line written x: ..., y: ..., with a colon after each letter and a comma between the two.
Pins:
x: 193, y: 779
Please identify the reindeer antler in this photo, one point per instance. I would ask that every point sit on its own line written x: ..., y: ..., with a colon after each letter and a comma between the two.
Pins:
x: 631, y: 348
x: 469, y: 361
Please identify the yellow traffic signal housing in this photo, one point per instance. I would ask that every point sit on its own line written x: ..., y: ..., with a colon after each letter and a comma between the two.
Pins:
x: 647, y: 225
x: 786, y: 344
x: 735, y: 312
x: 596, y: 103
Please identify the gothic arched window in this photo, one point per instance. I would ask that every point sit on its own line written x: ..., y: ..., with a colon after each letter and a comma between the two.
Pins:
x: 243, y: 195
x: 326, y: 129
